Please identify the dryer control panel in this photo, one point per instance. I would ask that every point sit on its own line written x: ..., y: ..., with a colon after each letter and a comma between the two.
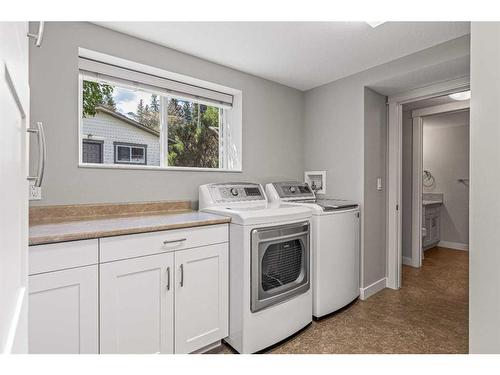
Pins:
x: 235, y: 192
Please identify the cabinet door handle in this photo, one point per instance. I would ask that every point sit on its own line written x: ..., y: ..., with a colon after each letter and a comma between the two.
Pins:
x: 42, y: 154
x: 174, y: 241
x: 182, y: 275
x: 38, y: 36
x: 168, y: 278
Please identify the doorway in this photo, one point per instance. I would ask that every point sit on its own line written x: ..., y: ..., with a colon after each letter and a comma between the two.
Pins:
x: 435, y: 176
x: 394, y: 168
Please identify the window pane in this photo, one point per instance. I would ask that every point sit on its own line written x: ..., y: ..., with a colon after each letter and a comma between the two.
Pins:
x: 138, y: 154
x: 114, y: 114
x: 123, y: 153
x: 193, y: 134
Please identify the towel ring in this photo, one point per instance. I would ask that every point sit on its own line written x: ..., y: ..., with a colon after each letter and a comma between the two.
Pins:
x: 428, y: 180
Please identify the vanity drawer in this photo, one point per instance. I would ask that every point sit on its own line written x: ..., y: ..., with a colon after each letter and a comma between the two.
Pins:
x: 63, y: 255
x: 136, y: 245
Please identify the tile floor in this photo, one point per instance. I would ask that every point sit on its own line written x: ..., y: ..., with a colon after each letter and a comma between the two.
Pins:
x: 429, y: 314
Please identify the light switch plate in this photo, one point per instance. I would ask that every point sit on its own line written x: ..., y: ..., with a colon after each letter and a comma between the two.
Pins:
x: 379, y: 184
x: 35, y: 193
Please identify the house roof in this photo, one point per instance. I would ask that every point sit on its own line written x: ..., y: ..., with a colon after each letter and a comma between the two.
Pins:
x: 128, y: 120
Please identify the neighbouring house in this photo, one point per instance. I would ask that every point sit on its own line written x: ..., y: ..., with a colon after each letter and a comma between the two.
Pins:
x: 112, y: 138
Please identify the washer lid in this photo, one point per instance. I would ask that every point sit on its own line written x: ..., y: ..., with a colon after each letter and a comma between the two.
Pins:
x: 335, y: 204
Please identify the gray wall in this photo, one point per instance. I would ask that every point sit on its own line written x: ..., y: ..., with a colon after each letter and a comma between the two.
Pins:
x: 272, y: 120
x: 484, y: 273
x: 446, y: 156
x: 407, y: 184
x: 375, y: 160
x: 334, y: 117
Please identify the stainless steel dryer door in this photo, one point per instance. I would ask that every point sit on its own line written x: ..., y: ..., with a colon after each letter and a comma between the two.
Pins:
x: 280, y: 264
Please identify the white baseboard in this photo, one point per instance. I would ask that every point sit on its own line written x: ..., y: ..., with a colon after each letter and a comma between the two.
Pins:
x: 407, y: 261
x: 454, y: 245
x: 208, y: 347
x: 373, y: 288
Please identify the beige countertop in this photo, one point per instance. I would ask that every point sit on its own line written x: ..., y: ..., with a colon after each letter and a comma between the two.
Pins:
x: 114, y: 226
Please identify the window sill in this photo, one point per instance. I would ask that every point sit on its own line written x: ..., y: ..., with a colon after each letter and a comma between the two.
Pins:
x: 154, y: 168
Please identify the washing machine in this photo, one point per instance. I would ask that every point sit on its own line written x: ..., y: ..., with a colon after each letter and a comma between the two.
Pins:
x: 270, y: 294
x: 335, y: 246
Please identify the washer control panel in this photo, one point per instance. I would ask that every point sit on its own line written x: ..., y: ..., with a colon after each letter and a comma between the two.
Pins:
x: 293, y: 190
x: 236, y: 192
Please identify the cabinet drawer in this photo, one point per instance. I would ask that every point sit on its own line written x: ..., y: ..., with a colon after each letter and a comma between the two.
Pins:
x: 63, y: 255
x: 135, y: 245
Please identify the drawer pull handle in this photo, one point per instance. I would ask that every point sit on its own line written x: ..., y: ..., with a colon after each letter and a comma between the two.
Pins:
x: 174, y: 241
x: 168, y: 278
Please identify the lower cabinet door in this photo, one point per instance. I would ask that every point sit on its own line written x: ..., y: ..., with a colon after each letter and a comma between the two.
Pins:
x: 136, y: 305
x: 201, y: 297
x: 63, y: 312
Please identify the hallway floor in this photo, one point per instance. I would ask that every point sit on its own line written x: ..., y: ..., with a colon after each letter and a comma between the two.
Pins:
x: 429, y: 314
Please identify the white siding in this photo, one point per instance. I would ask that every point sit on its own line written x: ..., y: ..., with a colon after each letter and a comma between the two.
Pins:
x: 109, y: 129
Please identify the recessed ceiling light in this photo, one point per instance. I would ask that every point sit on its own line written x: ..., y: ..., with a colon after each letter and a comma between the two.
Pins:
x: 374, y: 24
x: 464, y: 95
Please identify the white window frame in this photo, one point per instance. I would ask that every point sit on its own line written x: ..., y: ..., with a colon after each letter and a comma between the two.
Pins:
x: 130, y: 146
x: 230, y: 133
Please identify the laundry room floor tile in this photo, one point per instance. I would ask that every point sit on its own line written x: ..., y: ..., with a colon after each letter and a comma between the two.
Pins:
x: 429, y: 314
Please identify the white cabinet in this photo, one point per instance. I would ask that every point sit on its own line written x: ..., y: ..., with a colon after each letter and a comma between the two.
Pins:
x: 63, y: 311
x: 432, y: 224
x: 138, y: 295
x: 160, y: 292
x: 201, y: 297
x: 136, y: 305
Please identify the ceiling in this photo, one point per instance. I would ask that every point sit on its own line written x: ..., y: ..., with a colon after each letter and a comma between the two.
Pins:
x: 302, y: 55
x: 446, y: 120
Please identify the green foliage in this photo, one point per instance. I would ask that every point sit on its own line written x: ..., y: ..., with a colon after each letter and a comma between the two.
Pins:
x: 95, y: 95
x: 193, y: 138
x: 149, y: 114
x: 155, y: 103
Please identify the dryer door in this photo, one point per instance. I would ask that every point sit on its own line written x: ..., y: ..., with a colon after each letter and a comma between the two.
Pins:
x: 280, y: 264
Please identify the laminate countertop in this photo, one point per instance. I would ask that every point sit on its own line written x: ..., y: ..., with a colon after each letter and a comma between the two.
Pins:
x: 115, y: 226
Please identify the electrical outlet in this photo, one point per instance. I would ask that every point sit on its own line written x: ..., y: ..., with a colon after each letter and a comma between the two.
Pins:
x: 35, y: 193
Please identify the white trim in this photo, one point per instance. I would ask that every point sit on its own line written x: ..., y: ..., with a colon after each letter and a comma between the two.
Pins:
x: 394, y: 247
x: 416, y: 196
x: 407, y: 261
x: 430, y: 91
x: 442, y: 108
x: 208, y: 347
x: 14, y: 323
x: 373, y: 288
x: 394, y: 219
x: 454, y: 245
x: 155, y: 168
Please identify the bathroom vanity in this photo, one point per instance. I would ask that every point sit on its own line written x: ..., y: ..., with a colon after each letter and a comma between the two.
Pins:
x: 431, y: 219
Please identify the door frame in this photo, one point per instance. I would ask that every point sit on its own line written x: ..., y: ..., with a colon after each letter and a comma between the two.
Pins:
x: 418, y: 116
x: 394, y: 165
